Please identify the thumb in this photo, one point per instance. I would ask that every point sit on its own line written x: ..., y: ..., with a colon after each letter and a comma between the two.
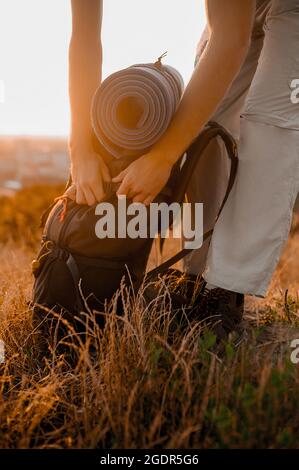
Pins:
x: 119, y: 177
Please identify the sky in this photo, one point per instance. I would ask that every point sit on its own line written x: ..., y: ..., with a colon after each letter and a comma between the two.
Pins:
x: 34, y: 38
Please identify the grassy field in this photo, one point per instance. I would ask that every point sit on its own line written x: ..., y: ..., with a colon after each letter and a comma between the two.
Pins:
x: 136, y: 389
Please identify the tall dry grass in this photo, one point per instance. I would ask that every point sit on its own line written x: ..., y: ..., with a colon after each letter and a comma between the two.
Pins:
x: 129, y: 386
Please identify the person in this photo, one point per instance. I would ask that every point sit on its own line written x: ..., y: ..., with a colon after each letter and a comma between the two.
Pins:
x: 258, y: 82
x: 246, y: 65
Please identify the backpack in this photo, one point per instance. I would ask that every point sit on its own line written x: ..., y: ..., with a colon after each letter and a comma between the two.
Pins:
x: 75, y: 270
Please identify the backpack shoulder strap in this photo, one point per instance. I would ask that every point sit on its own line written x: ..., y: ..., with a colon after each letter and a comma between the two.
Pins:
x: 195, y: 152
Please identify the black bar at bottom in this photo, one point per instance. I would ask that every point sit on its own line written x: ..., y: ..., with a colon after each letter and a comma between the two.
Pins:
x: 142, y: 458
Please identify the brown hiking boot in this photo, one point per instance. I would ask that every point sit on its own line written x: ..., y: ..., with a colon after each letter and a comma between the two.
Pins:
x: 221, y: 310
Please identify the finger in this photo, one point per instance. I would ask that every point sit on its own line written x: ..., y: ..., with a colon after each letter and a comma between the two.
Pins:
x: 89, y: 196
x: 132, y: 193
x: 119, y: 178
x: 80, y: 198
x: 148, y: 200
x: 139, y: 198
x: 105, y: 173
x: 71, y: 192
x: 124, y: 189
x: 98, y: 191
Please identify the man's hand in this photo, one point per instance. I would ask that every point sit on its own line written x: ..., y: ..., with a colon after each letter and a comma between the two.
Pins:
x: 89, y: 173
x: 143, y: 179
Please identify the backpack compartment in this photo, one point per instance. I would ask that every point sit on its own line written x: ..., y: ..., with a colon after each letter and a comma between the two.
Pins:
x: 67, y: 272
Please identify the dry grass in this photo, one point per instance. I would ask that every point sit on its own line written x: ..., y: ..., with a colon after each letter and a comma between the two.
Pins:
x: 132, y: 388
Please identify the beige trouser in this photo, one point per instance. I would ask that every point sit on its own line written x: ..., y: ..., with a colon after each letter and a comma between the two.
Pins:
x: 258, y: 110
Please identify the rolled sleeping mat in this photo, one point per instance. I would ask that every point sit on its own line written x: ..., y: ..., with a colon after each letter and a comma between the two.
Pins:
x: 132, y: 108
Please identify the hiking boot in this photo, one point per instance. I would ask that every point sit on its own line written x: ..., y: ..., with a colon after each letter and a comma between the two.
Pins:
x: 220, y: 309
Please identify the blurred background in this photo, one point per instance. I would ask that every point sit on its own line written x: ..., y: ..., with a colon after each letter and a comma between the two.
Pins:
x: 247, y: 400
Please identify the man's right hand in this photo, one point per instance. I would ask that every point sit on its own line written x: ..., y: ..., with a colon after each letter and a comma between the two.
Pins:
x: 89, y: 172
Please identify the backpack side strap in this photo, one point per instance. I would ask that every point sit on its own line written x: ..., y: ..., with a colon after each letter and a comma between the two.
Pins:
x: 210, y: 132
x: 74, y: 271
